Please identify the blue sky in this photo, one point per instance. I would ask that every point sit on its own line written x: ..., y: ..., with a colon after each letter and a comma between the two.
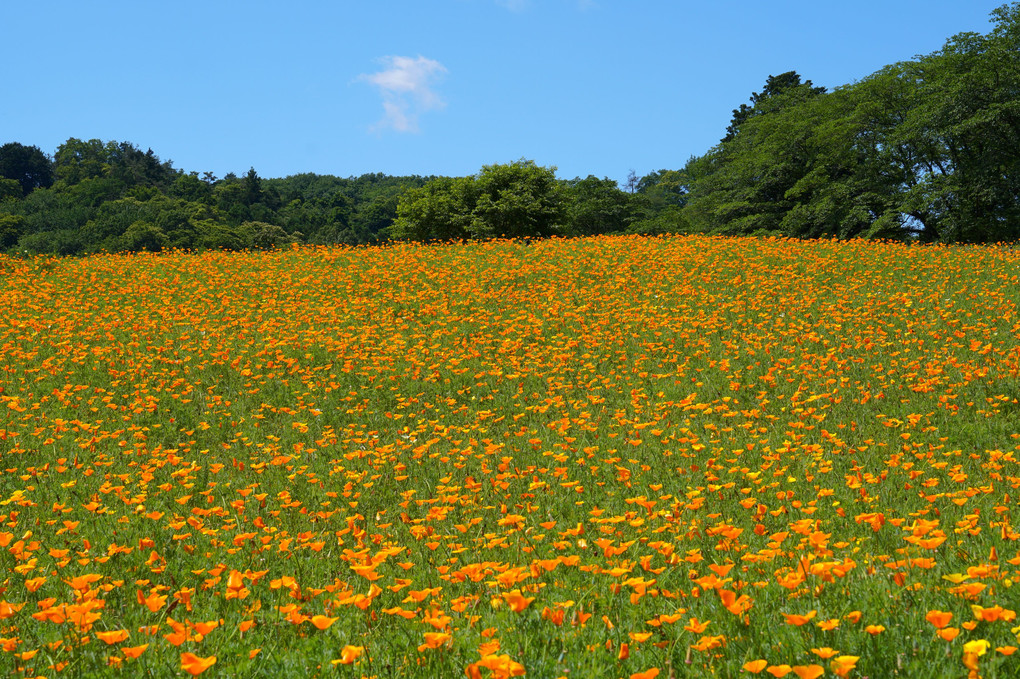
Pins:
x: 433, y: 86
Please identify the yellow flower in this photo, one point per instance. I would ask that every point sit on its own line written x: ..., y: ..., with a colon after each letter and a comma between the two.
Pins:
x: 977, y: 647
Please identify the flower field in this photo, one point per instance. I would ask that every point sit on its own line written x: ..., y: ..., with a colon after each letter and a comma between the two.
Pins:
x: 610, y: 457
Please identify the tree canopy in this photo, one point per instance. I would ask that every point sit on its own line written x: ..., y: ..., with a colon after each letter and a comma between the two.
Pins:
x: 26, y: 165
x: 512, y: 200
x: 110, y: 196
x: 926, y: 149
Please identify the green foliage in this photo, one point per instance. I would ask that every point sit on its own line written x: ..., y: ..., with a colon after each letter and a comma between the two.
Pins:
x: 144, y: 236
x: 664, y: 187
x: 268, y: 236
x: 519, y: 199
x: 964, y: 122
x: 63, y: 242
x: 26, y: 165
x: 105, y: 187
x: 190, y: 187
x: 215, y: 235
x: 440, y: 210
x: 77, y: 160
x: 774, y: 86
x: 252, y: 186
x: 375, y: 216
x: 9, y: 189
x: 669, y: 220
x: 10, y: 230
x: 926, y: 149
x: 515, y: 200
x: 746, y: 181
x: 596, y: 206
x: 107, y: 229
x: 178, y: 223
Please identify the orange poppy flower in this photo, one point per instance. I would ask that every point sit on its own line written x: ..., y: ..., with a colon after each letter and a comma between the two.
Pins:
x: 798, y: 620
x: 322, y: 622
x: 350, y: 654
x: 938, y: 618
x: 517, y: 601
x: 808, y: 671
x: 194, y: 665
x: 650, y: 673
x: 843, y: 665
x: 696, y: 626
x: 948, y: 633
x: 435, y: 640
x: 499, y: 666
x: 134, y: 651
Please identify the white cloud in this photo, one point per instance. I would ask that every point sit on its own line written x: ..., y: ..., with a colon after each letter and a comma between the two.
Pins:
x: 406, y: 86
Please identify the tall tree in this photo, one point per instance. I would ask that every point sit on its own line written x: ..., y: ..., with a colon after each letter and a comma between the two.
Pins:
x: 27, y: 165
x: 133, y: 167
x: 774, y: 86
x: 440, y: 210
x: 519, y: 199
x: 595, y: 206
x: 965, y: 129
x: 252, y: 185
x: 77, y: 160
x: 743, y: 183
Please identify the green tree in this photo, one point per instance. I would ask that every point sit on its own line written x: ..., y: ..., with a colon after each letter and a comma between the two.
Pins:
x: 190, y: 187
x: 132, y: 167
x: 963, y: 128
x: 106, y: 230
x: 519, y: 199
x: 268, y: 236
x: 229, y: 196
x: 252, y: 187
x: 743, y: 183
x: 440, y: 210
x: 77, y: 160
x: 143, y: 236
x: 596, y: 206
x: 26, y: 165
x: 11, y: 229
x: 178, y: 223
x: 374, y: 218
x: 10, y: 190
x: 214, y: 235
x: 48, y: 210
x: 514, y: 200
x: 774, y: 85
x: 659, y: 202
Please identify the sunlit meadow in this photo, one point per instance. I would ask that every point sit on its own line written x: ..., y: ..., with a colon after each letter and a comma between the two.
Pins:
x: 611, y: 457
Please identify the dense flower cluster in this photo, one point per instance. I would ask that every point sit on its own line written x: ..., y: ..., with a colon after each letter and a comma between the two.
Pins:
x: 599, y: 457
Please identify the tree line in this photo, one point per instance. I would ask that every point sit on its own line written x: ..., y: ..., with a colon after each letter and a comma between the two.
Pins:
x: 94, y: 196
x: 926, y: 149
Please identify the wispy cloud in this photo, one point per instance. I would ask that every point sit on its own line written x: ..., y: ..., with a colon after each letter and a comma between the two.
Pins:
x: 406, y: 86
